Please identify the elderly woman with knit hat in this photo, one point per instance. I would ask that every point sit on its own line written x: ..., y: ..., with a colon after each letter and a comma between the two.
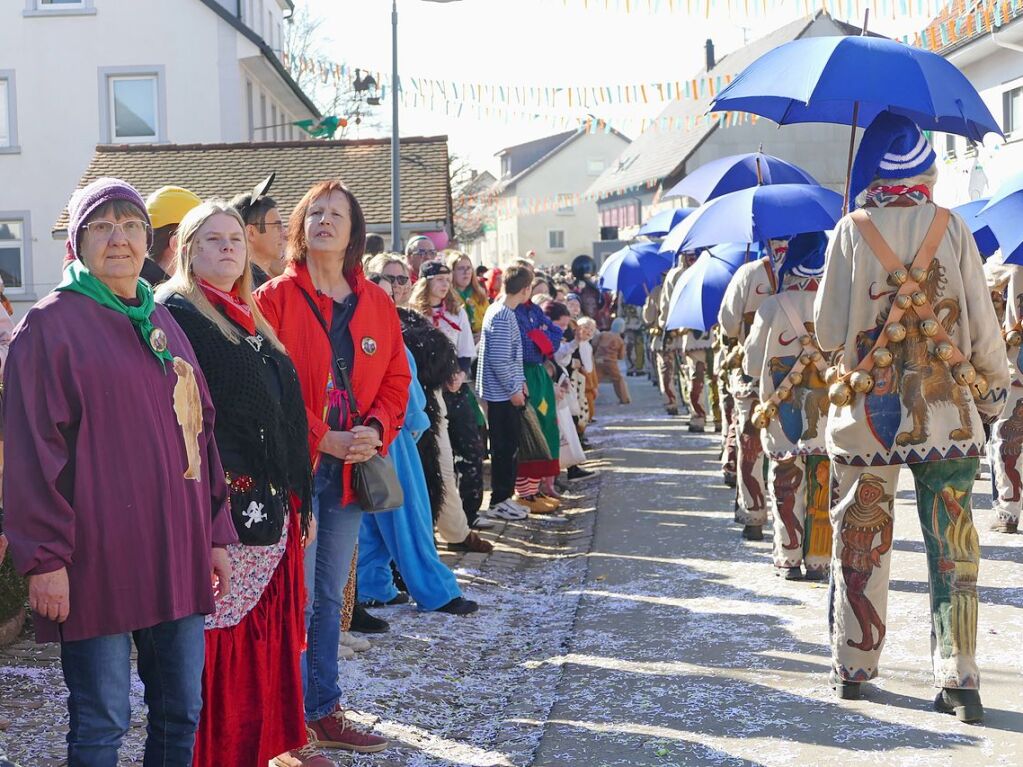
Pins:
x: 117, y: 513
x: 923, y: 369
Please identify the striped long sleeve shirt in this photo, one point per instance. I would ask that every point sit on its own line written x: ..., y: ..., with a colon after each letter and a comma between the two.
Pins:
x: 499, y: 373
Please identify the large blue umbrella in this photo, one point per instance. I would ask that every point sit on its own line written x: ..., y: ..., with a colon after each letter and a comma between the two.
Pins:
x: 740, y: 171
x: 1004, y: 215
x: 697, y: 295
x: 758, y: 214
x: 634, y: 271
x: 850, y: 80
x: 982, y: 234
x: 661, y: 223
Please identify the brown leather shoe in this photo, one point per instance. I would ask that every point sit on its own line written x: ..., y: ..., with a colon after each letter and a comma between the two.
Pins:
x: 335, y: 731
x: 472, y: 543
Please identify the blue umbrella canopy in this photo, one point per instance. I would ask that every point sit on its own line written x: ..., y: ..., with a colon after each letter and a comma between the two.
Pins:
x: 829, y: 79
x: 661, y: 223
x: 757, y: 215
x: 986, y: 241
x: 1004, y: 215
x: 730, y: 174
x: 634, y: 271
x: 698, y: 294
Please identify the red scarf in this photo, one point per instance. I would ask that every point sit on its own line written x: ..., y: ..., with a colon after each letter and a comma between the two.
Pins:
x: 440, y: 313
x: 232, y: 305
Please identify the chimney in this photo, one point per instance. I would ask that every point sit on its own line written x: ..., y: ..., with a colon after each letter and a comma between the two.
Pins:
x: 710, y: 55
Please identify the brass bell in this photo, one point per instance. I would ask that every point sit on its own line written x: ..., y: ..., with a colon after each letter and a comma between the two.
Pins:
x: 919, y: 298
x: 783, y: 393
x: 1014, y: 337
x: 895, y: 331
x: 806, y: 340
x: 831, y: 375
x: 944, y: 351
x: 861, y: 381
x: 840, y: 394
x: 795, y: 378
x: 964, y: 373
x: 929, y: 328
x: 882, y: 357
x: 899, y: 276
x: 760, y: 418
x: 816, y: 357
x: 805, y: 358
x: 770, y: 409
x: 981, y: 386
x: 903, y: 300
x: 918, y: 274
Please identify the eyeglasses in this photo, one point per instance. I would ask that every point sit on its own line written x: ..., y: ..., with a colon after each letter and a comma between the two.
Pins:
x: 423, y: 253
x: 132, y: 228
x: 396, y: 279
x: 282, y: 224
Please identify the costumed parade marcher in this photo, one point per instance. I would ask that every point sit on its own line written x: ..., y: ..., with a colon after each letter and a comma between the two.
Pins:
x: 782, y: 355
x: 752, y: 284
x: 698, y: 364
x: 667, y: 343
x: 923, y: 365
x: 1006, y: 446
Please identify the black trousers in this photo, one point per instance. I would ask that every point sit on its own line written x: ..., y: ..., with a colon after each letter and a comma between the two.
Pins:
x: 505, y: 421
x: 467, y: 447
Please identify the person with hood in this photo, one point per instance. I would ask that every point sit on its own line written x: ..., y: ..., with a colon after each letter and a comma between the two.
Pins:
x: 752, y: 283
x: 782, y: 355
x: 904, y: 300
x: 167, y: 207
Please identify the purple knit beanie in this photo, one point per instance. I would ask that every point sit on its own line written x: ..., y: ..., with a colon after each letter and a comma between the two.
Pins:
x: 84, y: 202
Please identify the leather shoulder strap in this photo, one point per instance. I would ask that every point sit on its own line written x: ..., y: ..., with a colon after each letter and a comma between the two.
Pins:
x: 785, y: 301
x: 933, y: 238
x: 875, y: 241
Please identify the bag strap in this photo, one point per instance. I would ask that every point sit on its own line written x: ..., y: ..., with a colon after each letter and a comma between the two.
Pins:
x: 342, y: 367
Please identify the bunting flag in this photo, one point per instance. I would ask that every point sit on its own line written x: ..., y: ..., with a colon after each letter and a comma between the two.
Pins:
x: 758, y: 8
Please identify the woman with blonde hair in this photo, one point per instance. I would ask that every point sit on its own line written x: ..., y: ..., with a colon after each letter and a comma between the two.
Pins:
x: 252, y: 681
x: 466, y: 286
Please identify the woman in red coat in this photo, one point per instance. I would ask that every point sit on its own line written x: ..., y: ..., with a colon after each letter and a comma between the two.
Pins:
x: 327, y: 314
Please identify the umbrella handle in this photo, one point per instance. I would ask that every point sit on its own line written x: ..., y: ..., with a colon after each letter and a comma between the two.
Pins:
x: 848, y: 168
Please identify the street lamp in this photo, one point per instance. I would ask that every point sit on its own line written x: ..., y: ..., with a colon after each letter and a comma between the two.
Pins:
x: 396, y: 241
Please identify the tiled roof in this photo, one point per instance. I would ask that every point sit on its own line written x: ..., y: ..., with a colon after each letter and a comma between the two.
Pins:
x: 657, y: 154
x: 223, y: 170
x: 963, y: 21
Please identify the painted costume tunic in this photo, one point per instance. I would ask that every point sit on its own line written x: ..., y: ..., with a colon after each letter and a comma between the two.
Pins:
x: 95, y: 463
x: 1007, y: 432
x: 910, y: 416
x: 751, y: 285
x: 772, y: 347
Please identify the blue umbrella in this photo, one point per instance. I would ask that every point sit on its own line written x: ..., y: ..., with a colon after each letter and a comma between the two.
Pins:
x: 1004, y: 215
x: 757, y: 215
x: 697, y: 296
x: 634, y: 271
x: 661, y: 223
x: 730, y: 174
x: 850, y: 80
x: 982, y: 234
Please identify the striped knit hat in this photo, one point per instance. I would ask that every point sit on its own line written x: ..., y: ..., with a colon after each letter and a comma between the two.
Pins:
x: 892, y: 147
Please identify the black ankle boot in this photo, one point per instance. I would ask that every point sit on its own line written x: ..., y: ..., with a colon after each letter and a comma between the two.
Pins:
x: 753, y: 533
x: 846, y: 689
x: 364, y: 623
x: 965, y: 704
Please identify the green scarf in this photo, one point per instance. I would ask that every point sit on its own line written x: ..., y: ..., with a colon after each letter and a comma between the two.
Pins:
x: 78, y: 279
x: 470, y: 310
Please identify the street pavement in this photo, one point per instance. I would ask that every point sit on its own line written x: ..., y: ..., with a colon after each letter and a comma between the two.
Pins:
x: 637, y: 630
x: 689, y: 650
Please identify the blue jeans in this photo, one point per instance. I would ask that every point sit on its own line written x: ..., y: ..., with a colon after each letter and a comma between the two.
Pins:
x: 328, y: 561
x: 97, y: 673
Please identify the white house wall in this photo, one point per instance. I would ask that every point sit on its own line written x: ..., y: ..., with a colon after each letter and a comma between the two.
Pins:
x: 59, y: 65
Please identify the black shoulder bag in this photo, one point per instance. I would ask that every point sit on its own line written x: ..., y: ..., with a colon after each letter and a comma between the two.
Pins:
x: 375, y: 481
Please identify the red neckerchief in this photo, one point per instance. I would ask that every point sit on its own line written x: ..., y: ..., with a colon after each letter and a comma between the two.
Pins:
x: 232, y: 305
x: 881, y: 195
x: 440, y: 313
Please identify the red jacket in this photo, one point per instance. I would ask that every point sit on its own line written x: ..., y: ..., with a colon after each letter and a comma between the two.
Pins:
x: 380, y: 375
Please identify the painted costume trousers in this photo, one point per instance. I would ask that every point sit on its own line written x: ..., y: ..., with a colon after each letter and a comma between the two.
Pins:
x: 801, y: 500
x: 608, y: 370
x: 729, y: 435
x: 1006, y: 454
x: 635, y: 353
x: 863, y: 520
x: 751, y: 460
x: 669, y: 363
x: 696, y: 377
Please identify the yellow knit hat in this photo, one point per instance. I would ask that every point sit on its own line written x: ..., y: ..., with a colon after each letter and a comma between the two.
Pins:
x: 169, y: 204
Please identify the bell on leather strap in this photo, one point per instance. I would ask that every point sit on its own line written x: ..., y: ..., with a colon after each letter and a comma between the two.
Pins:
x: 882, y: 357
x: 899, y: 276
x: 831, y: 375
x: 903, y: 300
x: 918, y: 274
x: 760, y: 417
x: 964, y: 373
x: 783, y: 392
x: 840, y: 394
x: 981, y: 386
x: 805, y: 359
x: 816, y: 357
x: 896, y: 331
x: 861, y: 381
x: 930, y: 328
x: 944, y: 351
x: 795, y: 378
x: 919, y: 298
x: 1014, y: 337
x: 806, y: 340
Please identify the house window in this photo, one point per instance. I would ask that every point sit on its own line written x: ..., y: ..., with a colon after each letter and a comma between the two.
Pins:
x: 1012, y: 110
x: 249, y: 109
x: 58, y: 8
x: 950, y: 145
x: 60, y: 4
x: 594, y: 167
x: 133, y: 104
x: 12, y: 253
x: 270, y: 28
x: 262, y: 117
x: 8, y: 113
x: 273, y: 120
x: 556, y: 239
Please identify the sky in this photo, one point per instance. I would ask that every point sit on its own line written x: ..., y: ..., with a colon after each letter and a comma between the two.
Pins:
x: 545, y: 43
